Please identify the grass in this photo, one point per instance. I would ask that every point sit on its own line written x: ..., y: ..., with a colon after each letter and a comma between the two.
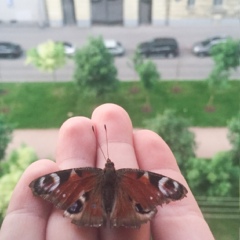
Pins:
x: 223, y: 229
x: 48, y: 105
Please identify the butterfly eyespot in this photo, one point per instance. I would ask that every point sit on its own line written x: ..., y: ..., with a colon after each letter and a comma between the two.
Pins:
x: 75, y: 207
x: 169, y: 187
x: 140, y: 209
x: 46, y: 184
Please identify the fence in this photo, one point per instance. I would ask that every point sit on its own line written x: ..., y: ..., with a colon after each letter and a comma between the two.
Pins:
x: 220, y: 207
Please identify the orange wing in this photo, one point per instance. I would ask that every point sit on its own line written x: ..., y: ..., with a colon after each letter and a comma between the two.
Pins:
x: 77, y: 191
x: 138, y: 195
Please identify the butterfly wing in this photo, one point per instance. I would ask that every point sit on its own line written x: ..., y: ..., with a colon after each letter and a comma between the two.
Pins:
x: 76, y: 191
x: 138, y: 195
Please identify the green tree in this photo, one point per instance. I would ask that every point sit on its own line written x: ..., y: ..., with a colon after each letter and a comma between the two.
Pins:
x: 175, y: 132
x: 5, y: 136
x: 217, y: 80
x: 227, y: 54
x: 147, y: 72
x: 226, y: 57
x: 48, y: 57
x: 137, y: 60
x: 94, y: 68
x: 234, y: 137
x: 10, y: 172
x: 218, y: 176
x: 211, y: 177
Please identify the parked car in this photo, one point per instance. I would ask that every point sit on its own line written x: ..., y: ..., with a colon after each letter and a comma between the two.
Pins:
x: 10, y: 50
x: 69, y: 49
x: 114, y: 47
x: 162, y: 47
x: 204, y: 47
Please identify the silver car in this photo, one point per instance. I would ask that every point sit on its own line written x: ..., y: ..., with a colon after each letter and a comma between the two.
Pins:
x: 69, y: 49
x: 114, y: 47
x: 204, y: 47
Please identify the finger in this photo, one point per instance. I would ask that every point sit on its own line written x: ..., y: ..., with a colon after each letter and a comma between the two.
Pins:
x: 76, y: 148
x: 25, y: 211
x: 119, y: 136
x: 76, y: 145
x: 152, y: 152
x: 177, y: 220
x: 61, y: 228
x: 121, y: 152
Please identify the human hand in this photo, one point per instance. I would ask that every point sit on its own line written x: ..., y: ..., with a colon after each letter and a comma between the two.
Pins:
x: 29, y: 217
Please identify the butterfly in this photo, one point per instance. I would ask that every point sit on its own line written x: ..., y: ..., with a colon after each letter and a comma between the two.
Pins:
x: 95, y: 197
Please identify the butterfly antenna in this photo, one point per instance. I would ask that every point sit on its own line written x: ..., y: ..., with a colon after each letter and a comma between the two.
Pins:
x: 105, y: 127
x: 99, y: 144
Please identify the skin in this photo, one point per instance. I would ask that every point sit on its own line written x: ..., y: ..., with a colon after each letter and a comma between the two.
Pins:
x: 30, y: 217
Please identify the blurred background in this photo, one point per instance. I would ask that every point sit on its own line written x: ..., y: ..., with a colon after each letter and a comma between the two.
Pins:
x: 174, y: 65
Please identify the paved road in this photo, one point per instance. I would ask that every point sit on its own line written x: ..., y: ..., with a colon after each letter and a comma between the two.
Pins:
x: 186, y: 66
x: 209, y: 141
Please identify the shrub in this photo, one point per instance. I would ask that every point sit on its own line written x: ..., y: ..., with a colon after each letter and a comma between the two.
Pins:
x: 5, y: 136
x: 174, y: 130
x: 11, y: 171
x: 212, y: 177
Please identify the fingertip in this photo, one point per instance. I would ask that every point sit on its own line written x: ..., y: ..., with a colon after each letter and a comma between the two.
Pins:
x: 76, y: 145
x: 117, y: 121
x: 118, y: 140
x: 152, y: 151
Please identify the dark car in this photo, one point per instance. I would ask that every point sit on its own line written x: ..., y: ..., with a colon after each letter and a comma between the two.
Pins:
x: 10, y: 50
x: 162, y: 47
x: 204, y: 47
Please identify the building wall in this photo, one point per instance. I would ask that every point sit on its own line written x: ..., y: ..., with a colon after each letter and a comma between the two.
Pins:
x: 202, y: 11
x: 130, y: 12
x: 51, y: 11
x: 55, y: 13
x: 27, y: 11
x: 158, y: 12
x: 82, y: 12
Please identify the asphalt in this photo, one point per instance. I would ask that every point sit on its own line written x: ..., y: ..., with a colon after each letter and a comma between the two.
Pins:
x: 209, y: 141
x: 185, y: 67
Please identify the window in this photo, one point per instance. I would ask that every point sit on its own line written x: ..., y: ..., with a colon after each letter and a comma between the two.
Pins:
x: 190, y: 3
x: 217, y: 2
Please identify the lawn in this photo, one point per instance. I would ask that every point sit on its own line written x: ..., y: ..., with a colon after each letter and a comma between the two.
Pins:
x: 47, y: 105
x: 224, y: 229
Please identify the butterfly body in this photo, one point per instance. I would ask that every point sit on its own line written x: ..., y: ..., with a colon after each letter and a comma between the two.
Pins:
x: 98, y: 197
x: 108, y: 186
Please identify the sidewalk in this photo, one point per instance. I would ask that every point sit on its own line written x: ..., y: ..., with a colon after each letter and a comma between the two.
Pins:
x: 209, y: 141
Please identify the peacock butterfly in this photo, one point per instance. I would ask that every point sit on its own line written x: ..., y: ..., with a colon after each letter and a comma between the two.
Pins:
x: 95, y: 197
